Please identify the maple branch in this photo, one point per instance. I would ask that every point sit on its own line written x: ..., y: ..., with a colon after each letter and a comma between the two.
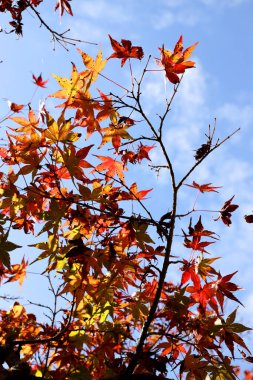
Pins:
x: 172, y: 336
x: 56, y: 337
x: 139, y: 218
x: 155, y: 133
x: 41, y: 305
x: 169, y: 237
x: 217, y: 145
x: 7, y: 298
x: 137, y: 139
x: 163, y: 118
x: 60, y: 38
x: 54, y: 313
x: 130, y: 191
x: 112, y: 81
x: 153, y: 308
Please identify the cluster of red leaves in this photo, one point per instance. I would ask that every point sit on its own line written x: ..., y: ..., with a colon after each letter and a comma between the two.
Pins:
x: 136, y: 157
x: 225, y: 212
x: 247, y: 375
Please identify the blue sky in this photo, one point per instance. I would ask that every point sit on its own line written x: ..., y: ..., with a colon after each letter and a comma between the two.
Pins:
x: 221, y: 86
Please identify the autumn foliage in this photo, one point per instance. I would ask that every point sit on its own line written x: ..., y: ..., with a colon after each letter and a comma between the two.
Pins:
x: 119, y: 314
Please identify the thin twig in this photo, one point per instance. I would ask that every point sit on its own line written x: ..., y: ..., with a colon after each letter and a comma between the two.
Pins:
x: 60, y: 38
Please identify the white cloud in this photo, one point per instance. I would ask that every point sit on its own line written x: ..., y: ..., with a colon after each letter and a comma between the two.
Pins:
x: 154, y: 91
x: 236, y: 114
x: 184, y: 16
x: 188, y: 120
x: 225, y: 3
x: 101, y: 9
x: 187, y: 124
x: 94, y: 20
x: 183, y: 12
x: 192, y: 95
x: 247, y: 312
x: 85, y: 31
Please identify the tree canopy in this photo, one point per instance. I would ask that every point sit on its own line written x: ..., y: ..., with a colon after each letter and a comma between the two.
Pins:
x: 128, y: 304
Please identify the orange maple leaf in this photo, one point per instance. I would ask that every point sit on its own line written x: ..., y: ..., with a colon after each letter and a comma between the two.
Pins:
x: 125, y: 50
x: 205, y: 188
x: 94, y: 66
x: 27, y: 125
x: 114, y: 133
x: 18, y: 272
x: 134, y: 194
x: 176, y: 62
x: 112, y: 168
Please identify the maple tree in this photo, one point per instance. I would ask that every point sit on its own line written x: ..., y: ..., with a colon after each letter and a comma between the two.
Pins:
x: 117, y: 314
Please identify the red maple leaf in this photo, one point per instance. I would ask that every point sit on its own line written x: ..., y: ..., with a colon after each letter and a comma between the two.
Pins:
x: 225, y: 212
x: 197, y: 232
x: 64, y: 5
x: 189, y: 272
x: 205, y: 188
x: 142, y: 152
x: 175, y: 62
x: 39, y: 81
x: 196, y: 245
x: 125, y: 50
x: 226, y: 288
x: 126, y: 120
x: 203, y: 295
x: 14, y: 107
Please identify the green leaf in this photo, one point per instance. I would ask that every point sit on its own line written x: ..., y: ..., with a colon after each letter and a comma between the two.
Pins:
x: 5, y: 258
x: 141, y: 235
x: 106, y: 310
x: 239, y: 328
x: 230, y: 319
x: 81, y: 373
x: 237, y: 339
x: 9, y: 246
x: 77, y: 338
x: 5, y: 247
x: 143, y: 308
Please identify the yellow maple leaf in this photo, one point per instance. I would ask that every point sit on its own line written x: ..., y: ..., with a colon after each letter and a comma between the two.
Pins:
x: 94, y: 66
